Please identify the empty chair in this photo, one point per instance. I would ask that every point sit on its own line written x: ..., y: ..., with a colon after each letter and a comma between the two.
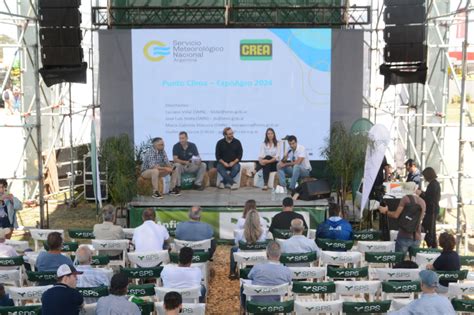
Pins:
x: 304, y: 290
x: 375, y: 246
x: 459, y: 289
x: 349, y: 290
x: 317, y: 307
x: 366, y: 307
x: 339, y: 258
x: 347, y: 273
x: 313, y: 273
x: 400, y: 292
x: 27, y: 309
x: 22, y: 294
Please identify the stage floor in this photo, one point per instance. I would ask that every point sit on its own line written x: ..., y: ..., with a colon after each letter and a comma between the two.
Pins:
x: 214, y: 197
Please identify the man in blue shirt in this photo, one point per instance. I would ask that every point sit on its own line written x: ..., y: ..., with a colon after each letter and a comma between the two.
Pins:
x: 63, y: 298
x: 335, y: 227
x: 195, y: 230
x: 430, y: 303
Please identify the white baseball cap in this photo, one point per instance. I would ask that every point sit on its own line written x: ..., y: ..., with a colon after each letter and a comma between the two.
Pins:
x: 4, y: 232
x: 66, y: 270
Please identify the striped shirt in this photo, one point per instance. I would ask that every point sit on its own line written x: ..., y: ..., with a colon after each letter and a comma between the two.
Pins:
x: 154, y: 158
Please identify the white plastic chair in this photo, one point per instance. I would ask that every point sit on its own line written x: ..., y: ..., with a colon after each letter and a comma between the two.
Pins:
x: 13, y: 277
x: 129, y: 233
x: 112, y: 245
x: 348, y: 290
x: 189, y: 295
x: 19, y: 246
x: 195, y: 245
x: 251, y: 290
x: 148, y: 259
x: 244, y: 259
x: 188, y: 308
x: 312, y: 307
x: 299, y: 273
x: 339, y: 258
x: 21, y: 294
x: 459, y: 289
x: 375, y: 246
x: 423, y: 259
x: 389, y: 274
x: 42, y: 235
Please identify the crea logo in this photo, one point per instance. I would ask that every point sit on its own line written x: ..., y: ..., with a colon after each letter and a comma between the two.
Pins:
x: 155, y: 51
x: 256, y: 49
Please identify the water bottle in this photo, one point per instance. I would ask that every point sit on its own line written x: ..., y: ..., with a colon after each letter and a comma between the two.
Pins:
x: 273, y: 194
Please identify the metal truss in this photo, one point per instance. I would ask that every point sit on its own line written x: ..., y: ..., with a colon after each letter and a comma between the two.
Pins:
x: 230, y: 16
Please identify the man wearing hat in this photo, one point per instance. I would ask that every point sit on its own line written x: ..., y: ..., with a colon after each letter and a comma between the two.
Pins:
x: 430, y: 302
x: 63, y: 298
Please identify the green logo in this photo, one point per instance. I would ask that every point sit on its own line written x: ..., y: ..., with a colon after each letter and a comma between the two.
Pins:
x: 256, y: 49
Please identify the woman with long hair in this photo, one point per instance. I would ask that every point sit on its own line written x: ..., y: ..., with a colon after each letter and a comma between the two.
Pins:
x: 431, y: 196
x: 250, y: 204
x: 269, y: 156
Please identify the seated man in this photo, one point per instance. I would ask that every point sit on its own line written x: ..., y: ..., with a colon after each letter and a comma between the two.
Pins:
x: 228, y: 155
x: 183, y: 276
x: 298, y: 243
x: 195, y: 230
x: 52, y: 259
x: 108, y: 230
x: 282, y: 220
x: 295, y: 163
x: 335, y: 227
x: 270, y: 273
x: 90, y: 277
x: 156, y: 165
x: 186, y: 160
x: 150, y: 236
x: 117, y: 302
x: 430, y: 302
x: 172, y: 303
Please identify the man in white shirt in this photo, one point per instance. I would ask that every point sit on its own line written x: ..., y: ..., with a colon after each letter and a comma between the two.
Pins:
x: 6, y: 250
x: 150, y: 237
x: 90, y: 277
x: 108, y: 230
x: 295, y: 164
x: 298, y: 243
x: 183, y: 276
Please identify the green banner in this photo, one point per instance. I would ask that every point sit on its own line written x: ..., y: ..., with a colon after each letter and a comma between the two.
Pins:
x: 452, y: 275
x: 222, y: 220
x: 387, y: 257
x: 401, y: 287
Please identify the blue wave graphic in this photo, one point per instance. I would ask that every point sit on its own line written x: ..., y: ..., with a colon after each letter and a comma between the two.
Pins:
x: 160, y: 51
x: 311, y: 46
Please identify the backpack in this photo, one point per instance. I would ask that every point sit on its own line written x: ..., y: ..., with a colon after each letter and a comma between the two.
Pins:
x: 410, y: 217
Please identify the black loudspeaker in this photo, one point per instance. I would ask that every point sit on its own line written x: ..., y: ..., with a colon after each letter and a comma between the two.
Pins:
x: 404, y: 52
x: 59, y: 3
x: 315, y: 189
x: 61, y: 56
x: 55, y: 75
x: 53, y: 37
x: 404, y: 15
x: 404, y: 34
x: 403, y: 2
x: 60, y: 17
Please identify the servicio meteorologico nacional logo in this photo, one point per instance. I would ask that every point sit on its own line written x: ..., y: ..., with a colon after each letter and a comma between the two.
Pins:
x: 155, y: 50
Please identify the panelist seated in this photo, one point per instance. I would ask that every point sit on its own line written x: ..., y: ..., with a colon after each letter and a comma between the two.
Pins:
x: 156, y: 165
x: 186, y: 160
x: 295, y: 164
x: 228, y: 155
x: 269, y: 156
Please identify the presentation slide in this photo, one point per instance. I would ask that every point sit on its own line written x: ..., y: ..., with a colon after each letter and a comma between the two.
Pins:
x: 203, y: 80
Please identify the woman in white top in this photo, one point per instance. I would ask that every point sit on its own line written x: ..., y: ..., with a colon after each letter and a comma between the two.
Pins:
x: 269, y: 156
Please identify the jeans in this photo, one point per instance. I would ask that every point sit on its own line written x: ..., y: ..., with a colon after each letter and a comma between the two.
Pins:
x: 198, y: 169
x: 233, y: 264
x: 296, y: 172
x: 404, y: 244
x: 228, y: 179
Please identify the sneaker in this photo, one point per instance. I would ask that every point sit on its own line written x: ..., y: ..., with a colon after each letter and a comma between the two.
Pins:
x: 265, y: 188
x: 198, y: 187
x: 175, y: 191
x: 234, y: 186
x: 221, y: 185
x: 157, y: 195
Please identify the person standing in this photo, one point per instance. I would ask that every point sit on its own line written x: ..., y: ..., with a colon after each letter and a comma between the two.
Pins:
x: 295, y: 163
x: 156, y: 165
x: 269, y: 156
x: 9, y: 205
x: 413, y: 173
x: 228, y: 155
x: 63, y: 298
x: 186, y: 160
x: 12, y: 99
x: 431, y: 196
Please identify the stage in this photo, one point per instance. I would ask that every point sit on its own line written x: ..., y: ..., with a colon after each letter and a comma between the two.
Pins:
x: 222, y: 208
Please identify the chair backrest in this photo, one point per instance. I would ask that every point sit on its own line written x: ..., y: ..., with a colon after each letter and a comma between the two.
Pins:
x: 463, y: 305
x: 27, y: 293
x: 188, y: 308
x: 196, y: 245
x: 42, y: 234
x: 460, y: 289
x: 27, y: 309
x: 142, y: 273
x: 347, y: 272
x: 457, y: 275
x: 198, y: 257
x: 340, y: 258
x: 142, y: 290
x: 422, y: 259
x: 88, y: 309
x: 308, y: 272
x: 282, y: 234
x: 357, y: 287
x: 45, y: 277
x: 384, y: 257
x: 375, y: 246
x: 244, y: 272
x: 287, y: 258
x: 81, y: 234
x: 146, y: 307
x: 467, y: 261
x: 94, y: 292
x: 110, y: 244
x: 97, y: 260
x: 366, y: 235
x: 187, y: 294
x: 67, y: 246
x: 253, y: 247
x: 401, y: 286
x: 10, y: 276
x: 285, y: 307
x: 304, y: 287
x: 250, y: 258
x: 317, y: 307
x: 11, y: 261
x: 149, y: 259
x: 416, y: 250
x: 19, y: 246
x: 262, y: 290
x: 366, y: 307
x: 129, y: 233
x: 389, y: 274
x: 334, y: 245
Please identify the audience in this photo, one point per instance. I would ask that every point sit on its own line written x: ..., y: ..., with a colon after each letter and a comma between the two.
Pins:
x: 249, y: 205
x: 430, y: 302
x: 270, y: 273
x: 6, y: 250
x: 150, y: 236
x: 334, y: 227
x: 183, y: 276
x: 449, y: 260
x: 108, y: 230
x: 282, y: 220
x: 52, y: 259
x: 91, y: 277
x: 251, y: 234
x: 195, y: 230
x: 116, y: 302
x: 298, y: 243
x: 63, y: 298
x: 173, y: 303
x: 4, y: 297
